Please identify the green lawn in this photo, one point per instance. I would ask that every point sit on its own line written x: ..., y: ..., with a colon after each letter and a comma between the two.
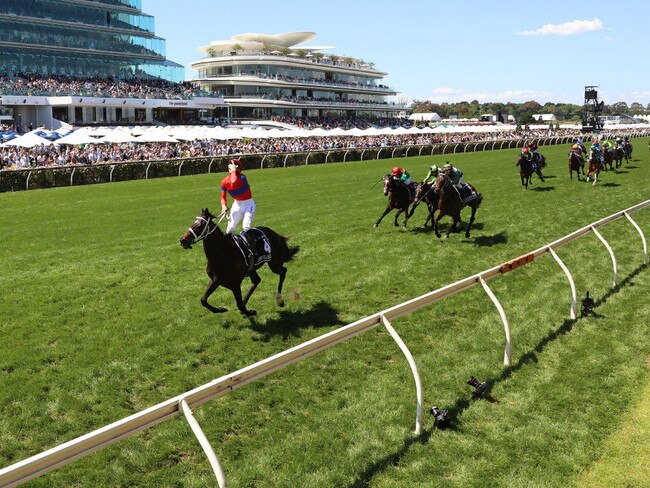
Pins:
x: 101, y: 318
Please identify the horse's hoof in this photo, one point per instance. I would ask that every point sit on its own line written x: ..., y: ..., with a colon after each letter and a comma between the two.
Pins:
x: 396, y: 224
x: 376, y: 225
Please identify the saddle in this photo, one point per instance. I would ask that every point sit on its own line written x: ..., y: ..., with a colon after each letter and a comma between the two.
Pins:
x: 254, y: 246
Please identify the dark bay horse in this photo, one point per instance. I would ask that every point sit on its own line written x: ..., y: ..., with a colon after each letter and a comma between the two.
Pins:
x: 627, y: 147
x: 593, y: 168
x: 399, y: 197
x: 528, y: 167
x: 424, y: 192
x: 525, y: 169
x: 451, y: 203
x: 608, y: 158
x: 619, y: 154
x: 229, y: 261
x: 575, y: 164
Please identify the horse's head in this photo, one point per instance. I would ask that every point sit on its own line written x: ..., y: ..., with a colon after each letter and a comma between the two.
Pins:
x: 441, y: 183
x: 388, y: 183
x: 421, y: 191
x: 201, y: 227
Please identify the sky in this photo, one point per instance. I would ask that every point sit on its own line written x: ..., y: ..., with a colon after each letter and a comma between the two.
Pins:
x: 462, y: 50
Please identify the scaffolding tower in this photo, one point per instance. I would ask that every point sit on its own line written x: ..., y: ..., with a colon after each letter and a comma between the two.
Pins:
x: 591, y: 110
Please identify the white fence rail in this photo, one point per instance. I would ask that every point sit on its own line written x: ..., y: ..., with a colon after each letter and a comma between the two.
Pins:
x: 40, y: 464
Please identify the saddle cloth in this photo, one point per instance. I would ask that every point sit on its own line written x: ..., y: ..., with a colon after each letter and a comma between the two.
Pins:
x: 254, y: 246
x: 466, y: 193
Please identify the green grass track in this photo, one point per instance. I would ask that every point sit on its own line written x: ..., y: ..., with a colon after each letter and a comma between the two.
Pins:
x: 100, y: 318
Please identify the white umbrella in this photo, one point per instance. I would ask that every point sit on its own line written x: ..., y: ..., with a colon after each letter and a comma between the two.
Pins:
x: 118, y: 137
x: 155, y: 136
x: 80, y: 136
x: 28, y: 140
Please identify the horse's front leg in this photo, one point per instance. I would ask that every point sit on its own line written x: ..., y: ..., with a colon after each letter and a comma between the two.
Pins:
x: 454, y: 223
x: 214, y: 284
x: 388, y: 209
x: 406, y: 216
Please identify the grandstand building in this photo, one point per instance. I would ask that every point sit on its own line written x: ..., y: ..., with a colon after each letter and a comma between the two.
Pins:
x: 102, y: 39
x: 260, y: 76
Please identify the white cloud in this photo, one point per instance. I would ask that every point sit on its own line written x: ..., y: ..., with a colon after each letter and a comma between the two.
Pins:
x: 565, y: 29
x: 454, y: 95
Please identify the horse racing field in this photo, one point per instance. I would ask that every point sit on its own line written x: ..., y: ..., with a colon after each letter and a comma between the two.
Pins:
x: 101, y: 319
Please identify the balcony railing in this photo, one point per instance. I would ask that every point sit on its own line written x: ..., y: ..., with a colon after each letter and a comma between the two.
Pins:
x: 301, y: 81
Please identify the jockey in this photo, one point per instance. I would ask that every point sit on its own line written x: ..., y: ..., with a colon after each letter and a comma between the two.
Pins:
x: 596, y: 150
x: 534, y: 152
x: 607, y: 146
x: 577, y: 150
x: 619, y: 143
x: 455, y: 175
x: 401, y: 175
x: 243, y: 206
x: 432, y: 174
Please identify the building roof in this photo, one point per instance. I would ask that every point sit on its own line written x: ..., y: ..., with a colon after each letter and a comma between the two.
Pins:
x: 257, y: 40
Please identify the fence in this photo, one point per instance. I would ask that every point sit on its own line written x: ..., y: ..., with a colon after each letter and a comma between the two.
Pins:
x: 65, y: 453
x: 48, y: 177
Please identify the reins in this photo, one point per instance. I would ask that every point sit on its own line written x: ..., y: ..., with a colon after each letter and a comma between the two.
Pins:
x: 206, y: 230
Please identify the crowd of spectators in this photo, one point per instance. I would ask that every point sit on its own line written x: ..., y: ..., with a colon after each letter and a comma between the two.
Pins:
x: 33, y: 84
x: 63, y: 155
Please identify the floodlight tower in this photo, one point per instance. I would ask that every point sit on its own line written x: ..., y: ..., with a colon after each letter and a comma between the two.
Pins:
x: 592, y: 108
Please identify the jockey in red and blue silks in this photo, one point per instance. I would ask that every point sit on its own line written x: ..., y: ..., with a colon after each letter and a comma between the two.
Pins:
x: 243, y: 207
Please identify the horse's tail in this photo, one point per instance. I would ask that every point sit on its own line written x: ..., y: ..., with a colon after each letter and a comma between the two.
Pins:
x: 293, y: 250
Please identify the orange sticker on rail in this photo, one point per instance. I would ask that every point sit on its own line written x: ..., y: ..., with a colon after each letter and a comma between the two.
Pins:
x: 517, y: 262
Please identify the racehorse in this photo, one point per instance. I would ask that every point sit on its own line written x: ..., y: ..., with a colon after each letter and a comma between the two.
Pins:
x: 575, y: 164
x: 535, y: 167
x: 608, y: 158
x: 425, y: 192
x: 525, y: 169
x: 233, y: 257
x: 619, y: 154
x: 451, y: 203
x: 593, y: 168
x: 399, y: 197
x: 627, y: 147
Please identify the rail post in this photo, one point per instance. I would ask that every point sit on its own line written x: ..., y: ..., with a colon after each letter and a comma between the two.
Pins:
x: 574, y: 295
x: 507, y: 355
x: 414, y: 369
x: 638, y: 229
x: 205, y: 443
x: 611, y: 254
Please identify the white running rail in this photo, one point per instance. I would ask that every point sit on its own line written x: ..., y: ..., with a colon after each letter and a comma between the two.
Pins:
x: 63, y: 454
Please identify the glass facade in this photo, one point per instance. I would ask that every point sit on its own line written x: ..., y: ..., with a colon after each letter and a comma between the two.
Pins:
x: 82, y: 38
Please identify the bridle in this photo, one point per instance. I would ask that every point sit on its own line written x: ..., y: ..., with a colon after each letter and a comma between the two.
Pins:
x: 206, y: 229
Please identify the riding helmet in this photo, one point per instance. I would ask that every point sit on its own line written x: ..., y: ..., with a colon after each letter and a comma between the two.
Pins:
x: 396, y: 171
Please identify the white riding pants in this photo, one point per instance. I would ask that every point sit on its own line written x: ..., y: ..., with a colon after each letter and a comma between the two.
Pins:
x: 241, y: 211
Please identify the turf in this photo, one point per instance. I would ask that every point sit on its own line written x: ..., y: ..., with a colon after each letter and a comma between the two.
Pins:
x: 101, y: 318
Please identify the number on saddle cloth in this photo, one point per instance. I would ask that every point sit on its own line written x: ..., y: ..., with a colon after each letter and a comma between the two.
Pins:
x: 254, y: 246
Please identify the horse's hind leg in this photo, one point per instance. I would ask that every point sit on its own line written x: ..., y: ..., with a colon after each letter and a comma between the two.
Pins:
x: 282, y: 271
x: 397, y: 214
x: 471, y: 221
x: 214, y: 284
x: 255, y: 280
x: 236, y: 291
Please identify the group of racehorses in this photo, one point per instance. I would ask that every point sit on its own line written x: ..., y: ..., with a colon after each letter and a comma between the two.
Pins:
x: 439, y: 196
x: 612, y: 160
